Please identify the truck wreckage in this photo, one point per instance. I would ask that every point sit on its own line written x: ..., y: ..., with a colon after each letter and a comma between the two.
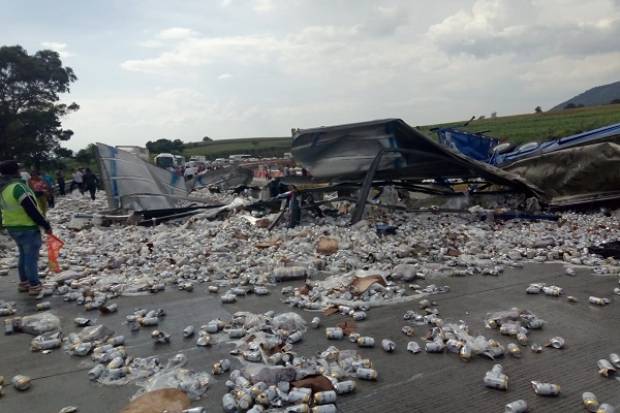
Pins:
x: 360, y: 163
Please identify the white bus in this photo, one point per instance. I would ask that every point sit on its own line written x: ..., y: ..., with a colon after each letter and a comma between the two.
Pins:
x: 169, y: 161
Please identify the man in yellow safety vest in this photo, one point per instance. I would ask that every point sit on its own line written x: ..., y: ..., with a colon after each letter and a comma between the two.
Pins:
x: 22, y: 218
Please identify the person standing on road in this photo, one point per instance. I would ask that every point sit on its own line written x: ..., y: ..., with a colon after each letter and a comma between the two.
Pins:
x: 60, y: 178
x: 41, y: 190
x: 22, y: 218
x: 78, y: 181
x: 90, y: 182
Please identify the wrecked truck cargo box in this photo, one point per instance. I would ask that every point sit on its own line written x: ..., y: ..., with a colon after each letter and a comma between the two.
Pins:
x: 475, y: 145
x: 131, y: 183
x: 398, y: 151
x: 580, y: 175
x: 230, y: 177
x: 528, y: 150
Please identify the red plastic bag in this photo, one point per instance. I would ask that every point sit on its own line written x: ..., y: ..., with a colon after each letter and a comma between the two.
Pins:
x: 54, y: 245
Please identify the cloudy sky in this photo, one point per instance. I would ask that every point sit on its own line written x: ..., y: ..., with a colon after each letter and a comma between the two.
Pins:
x: 184, y: 69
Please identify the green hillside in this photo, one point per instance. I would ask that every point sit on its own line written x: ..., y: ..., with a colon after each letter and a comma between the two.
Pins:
x: 542, y: 126
x: 517, y: 128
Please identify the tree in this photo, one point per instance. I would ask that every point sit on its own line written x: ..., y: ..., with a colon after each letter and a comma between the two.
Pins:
x: 615, y: 102
x: 61, y: 152
x: 538, y: 109
x: 206, y: 139
x: 165, y: 146
x: 87, y: 155
x: 30, y: 85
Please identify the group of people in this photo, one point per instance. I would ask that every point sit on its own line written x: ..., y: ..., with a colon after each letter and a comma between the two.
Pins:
x: 84, y: 180
x: 24, y: 201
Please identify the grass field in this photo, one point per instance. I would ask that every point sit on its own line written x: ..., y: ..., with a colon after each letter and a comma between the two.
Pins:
x: 517, y: 129
x: 542, y: 126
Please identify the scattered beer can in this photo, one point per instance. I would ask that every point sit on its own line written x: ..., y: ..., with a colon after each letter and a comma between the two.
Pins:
x: 545, y: 389
x: 605, y: 368
x: 590, y: 402
x: 518, y: 406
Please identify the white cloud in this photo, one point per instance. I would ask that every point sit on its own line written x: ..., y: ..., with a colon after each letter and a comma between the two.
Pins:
x: 531, y: 28
x: 176, y: 33
x: 263, y: 6
x: 224, y: 76
x: 61, y: 48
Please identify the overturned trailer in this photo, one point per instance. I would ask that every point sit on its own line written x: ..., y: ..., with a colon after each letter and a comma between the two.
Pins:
x: 390, y: 152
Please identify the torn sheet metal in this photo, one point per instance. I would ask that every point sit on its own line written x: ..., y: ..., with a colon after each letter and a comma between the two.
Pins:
x: 347, y: 152
x: 475, y: 145
x: 134, y: 184
x: 528, y: 150
x: 225, y: 178
x: 575, y: 176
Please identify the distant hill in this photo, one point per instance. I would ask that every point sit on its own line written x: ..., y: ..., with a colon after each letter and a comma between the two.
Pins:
x: 600, y: 95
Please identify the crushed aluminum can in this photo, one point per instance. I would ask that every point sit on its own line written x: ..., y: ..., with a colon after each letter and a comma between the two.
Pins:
x: 465, y: 353
x: 9, y: 328
x: 408, y: 331
x: 96, y: 372
x: 236, y: 333
x: 212, y: 327
x: 228, y: 298
x: 334, y: 333
x: 454, y: 346
x: 388, y: 345
x: 199, y: 409
x: 605, y: 368
x: 253, y: 356
x: 354, y: 336
x: 82, y: 321
x: 7, y: 311
x: 261, y: 291
x: 556, y: 342
x: 204, y: 339
x: 535, y: 323
x: 296, y: 337
x: 522, y: 339
x: 188, y: 331
x: 552, y: 290
x: 598, y: 300
x: 116, y: 341
x: 509, y: 329
x: 572, y: 299
x: 325, y: 397
x: 298, y: 408
x: 345, y: 387
x: 606, y: 408
x: 316, y: 322
x: 435, y: 346
x: 545, y: 389
x: 514, y: 350
x: 221, y: 367
x: 534, y: 289
x: 117, y: 362
x: 43, y: 306
x: 617, y: 291
x: 413, y: 347
x: 41, y: 343
x: 299, y: 395
x: 21, y: 382
x: 257, y: 408
x: 69, y: 409
x: 496, y: 379
x: 536, y: 348
x: 359, y: 315
x: 590, y: 402
x: 366, y: 374
x: 325, y: 408
x: 160, y: 337
x: 149, y: 321
x: 366, y: 341
x: 108, y: 308
x: 213, y: 289
x: 518, y: 406
x: 229, y: 403
x: 615, y: 360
